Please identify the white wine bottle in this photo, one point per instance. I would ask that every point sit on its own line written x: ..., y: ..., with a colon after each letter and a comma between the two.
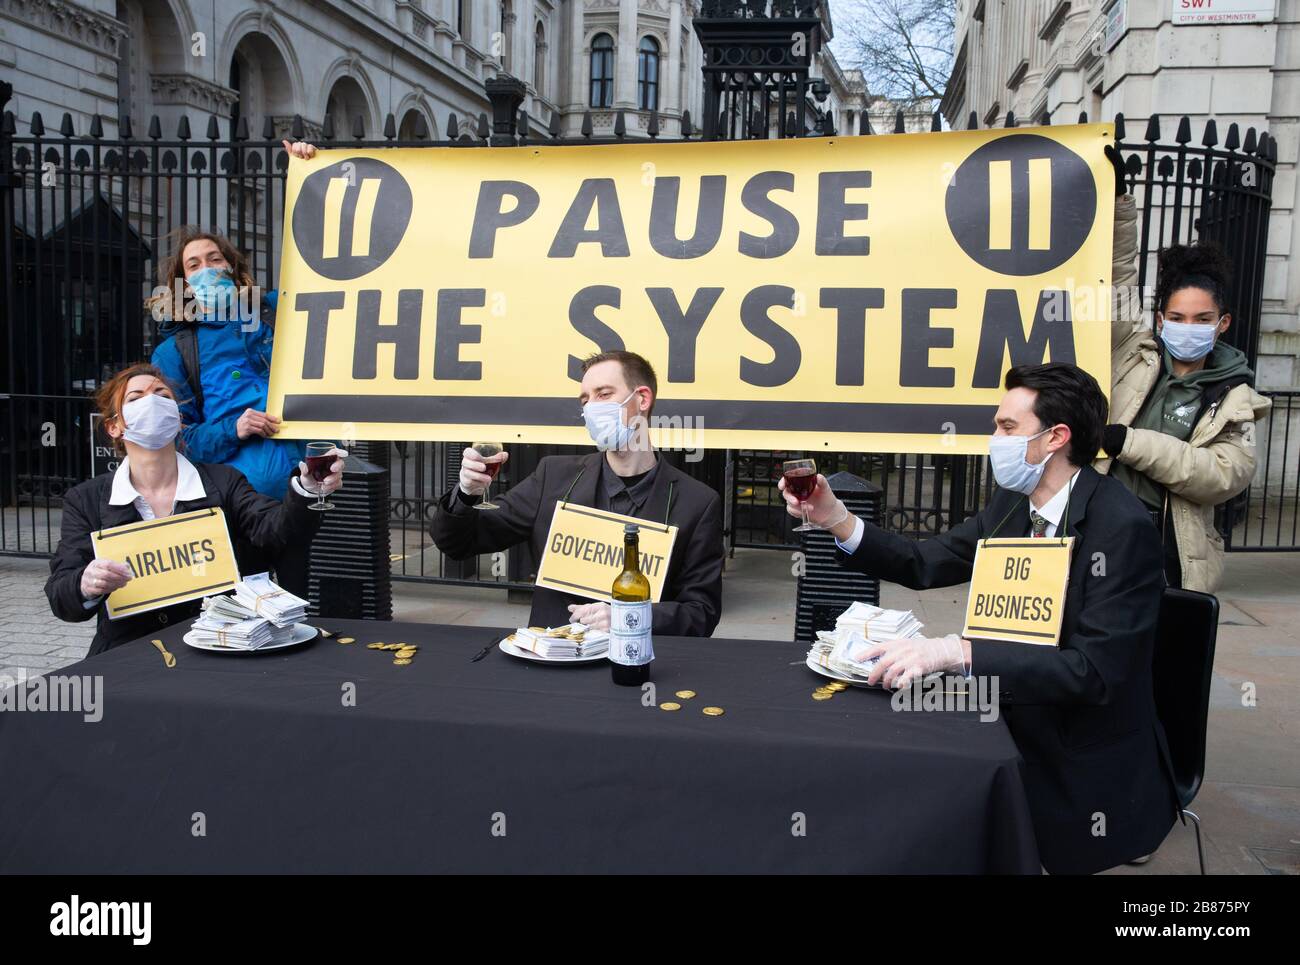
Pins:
x: 630, y: 645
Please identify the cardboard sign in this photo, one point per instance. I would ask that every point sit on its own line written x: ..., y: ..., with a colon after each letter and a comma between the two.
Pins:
x: 844, y: 294
x: 179, y: 558
x: 1017, y: 590
x: 584, y: 551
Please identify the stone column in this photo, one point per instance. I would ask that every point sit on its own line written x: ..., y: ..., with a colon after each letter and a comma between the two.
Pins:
x: 625, y: 57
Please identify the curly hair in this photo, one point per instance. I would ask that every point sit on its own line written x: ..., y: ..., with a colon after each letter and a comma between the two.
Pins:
x: 1203, y: 265
x: 172, y: 268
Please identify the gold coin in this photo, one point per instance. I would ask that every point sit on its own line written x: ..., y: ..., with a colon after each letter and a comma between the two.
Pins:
x: 375, y: 646
x: 402, y: 662
x: 392, y: 646
x: 686, y: 694
x: 405, y: 654
x: 670, y: 705
x: 347, y: 640
x: 839, y: 686
x: 712, y: 711
x: 816, y: 696
x: 825, y: 690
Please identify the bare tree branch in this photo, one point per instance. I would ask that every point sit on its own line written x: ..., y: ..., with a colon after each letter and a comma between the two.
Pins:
x: 904, y: 48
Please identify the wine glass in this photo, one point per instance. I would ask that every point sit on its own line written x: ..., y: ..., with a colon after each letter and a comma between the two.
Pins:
x: 487, y: 450
x: 800, y: 481
x: 320, y: 456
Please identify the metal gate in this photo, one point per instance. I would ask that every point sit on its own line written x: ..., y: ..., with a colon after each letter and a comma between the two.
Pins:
x: 84, y: 221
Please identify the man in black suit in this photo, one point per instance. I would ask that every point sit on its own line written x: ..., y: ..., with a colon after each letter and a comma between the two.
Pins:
x: 1082, y: 713
x: 625, y: 476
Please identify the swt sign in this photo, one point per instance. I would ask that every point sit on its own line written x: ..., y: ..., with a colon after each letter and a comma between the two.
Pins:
x: 858, y: 293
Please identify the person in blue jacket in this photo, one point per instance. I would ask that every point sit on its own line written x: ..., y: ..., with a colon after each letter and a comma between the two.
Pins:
x: 217, y: 329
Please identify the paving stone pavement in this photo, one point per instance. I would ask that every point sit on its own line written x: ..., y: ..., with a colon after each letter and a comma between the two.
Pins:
x: 32, y: 639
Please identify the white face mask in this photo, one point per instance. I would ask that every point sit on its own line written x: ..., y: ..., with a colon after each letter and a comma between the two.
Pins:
x: 152, y: 421
x: 1189, y: 341
x: 605, y: 424
x: 1011, y: 468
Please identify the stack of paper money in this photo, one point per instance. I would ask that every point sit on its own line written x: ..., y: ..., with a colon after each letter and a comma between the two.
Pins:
x: 857, y: 629
x: 263, y: 598
x: 874, y: 623
x: 248, y: 633
x: 570, y: 642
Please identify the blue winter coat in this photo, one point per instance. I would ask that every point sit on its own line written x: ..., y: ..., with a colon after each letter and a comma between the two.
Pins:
x: 234, y: 370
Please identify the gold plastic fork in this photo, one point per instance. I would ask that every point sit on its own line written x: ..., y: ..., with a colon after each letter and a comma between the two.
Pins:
x: 168, y: 658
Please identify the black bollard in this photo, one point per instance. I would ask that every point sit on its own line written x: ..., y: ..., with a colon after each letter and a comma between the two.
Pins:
x: 827, y: 589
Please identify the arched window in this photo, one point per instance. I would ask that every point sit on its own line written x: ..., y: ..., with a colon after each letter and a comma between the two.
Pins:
x: 602, y: 71
x: 539, y: 59
x: 647, y: 74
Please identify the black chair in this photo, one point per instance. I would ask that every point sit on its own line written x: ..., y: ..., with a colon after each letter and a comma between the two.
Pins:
x: 1182, y: 667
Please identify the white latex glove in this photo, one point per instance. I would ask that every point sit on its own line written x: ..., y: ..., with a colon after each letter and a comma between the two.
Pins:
x: 904, y: 661
x: 102, y: 577
x: 473, y: 471
x: 594, y: 616
x: 825, y: 509
x: 330, y: 483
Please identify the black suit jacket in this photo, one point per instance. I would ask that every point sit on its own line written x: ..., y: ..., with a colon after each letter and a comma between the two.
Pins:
x: 691, y: 604
x: 1082, y: 714
x: 266, y: 523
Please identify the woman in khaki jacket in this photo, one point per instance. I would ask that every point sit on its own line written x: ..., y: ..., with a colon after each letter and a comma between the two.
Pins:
x: 1182, y: 406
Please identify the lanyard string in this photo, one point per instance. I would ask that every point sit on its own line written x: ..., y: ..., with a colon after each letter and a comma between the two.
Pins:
x: 565, y: 500
x: 1065, y: 522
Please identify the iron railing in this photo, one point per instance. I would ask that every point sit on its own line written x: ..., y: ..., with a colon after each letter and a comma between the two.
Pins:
x: 84, y: 220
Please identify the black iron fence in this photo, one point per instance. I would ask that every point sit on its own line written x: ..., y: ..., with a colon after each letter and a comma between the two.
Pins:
x: 84, y: 222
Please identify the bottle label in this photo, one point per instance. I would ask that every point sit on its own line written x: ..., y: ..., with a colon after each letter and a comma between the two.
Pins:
x: 629, y: 633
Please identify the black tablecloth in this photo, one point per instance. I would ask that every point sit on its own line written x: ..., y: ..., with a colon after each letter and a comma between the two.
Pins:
x: 436, y: 756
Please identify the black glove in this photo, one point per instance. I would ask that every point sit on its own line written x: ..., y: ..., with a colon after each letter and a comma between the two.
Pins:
x: 1113, y: 438
x: 1116, y: 162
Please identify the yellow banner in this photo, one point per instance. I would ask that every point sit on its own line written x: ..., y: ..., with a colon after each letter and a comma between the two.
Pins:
x: 584, y: 551
x: 842, y: 293
x: 179, y: 558
x: 1017, y: 590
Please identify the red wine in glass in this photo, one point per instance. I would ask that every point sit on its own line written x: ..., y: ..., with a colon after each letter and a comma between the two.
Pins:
x: 800, y: 481
x: 319, y: 457
x: 318, y: 467
x: 489, y: 452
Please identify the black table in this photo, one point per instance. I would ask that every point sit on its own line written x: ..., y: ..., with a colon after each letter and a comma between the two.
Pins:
x: 436, y: 756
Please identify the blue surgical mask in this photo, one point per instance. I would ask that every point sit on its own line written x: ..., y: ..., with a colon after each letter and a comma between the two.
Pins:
x: 1011, y: 470
x: 214, y: 290
x: 1189, y: 341
x: 605, y: 424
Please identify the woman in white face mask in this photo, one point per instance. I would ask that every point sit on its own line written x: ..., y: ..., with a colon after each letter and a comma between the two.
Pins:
x: 154, y: 480
x: 1182, y: 409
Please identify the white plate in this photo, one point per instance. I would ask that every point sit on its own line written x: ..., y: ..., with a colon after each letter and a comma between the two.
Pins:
x: 505, y: 646
x: 817, y: 668
x: 301, y: 634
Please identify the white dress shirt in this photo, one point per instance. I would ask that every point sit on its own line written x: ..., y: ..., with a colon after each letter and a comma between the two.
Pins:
x: 1052, y: 511
x: 188, y: 486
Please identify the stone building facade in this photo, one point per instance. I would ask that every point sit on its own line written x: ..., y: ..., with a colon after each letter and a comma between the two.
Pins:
x: 362, y: 59
x: 1233, y: 60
